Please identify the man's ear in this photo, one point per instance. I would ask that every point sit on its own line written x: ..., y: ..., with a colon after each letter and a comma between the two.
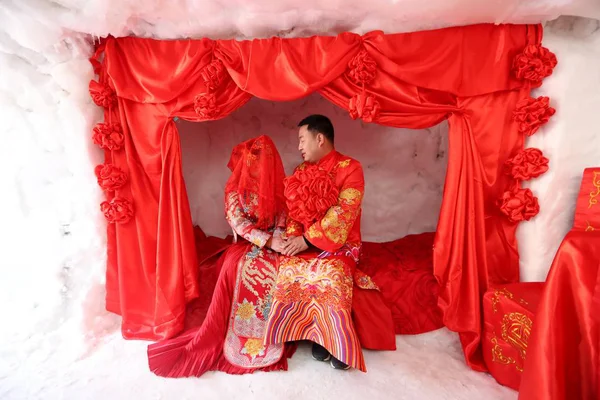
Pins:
x: 320, y: 139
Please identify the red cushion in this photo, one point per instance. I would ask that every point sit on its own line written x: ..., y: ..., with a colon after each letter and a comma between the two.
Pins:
x: 508, y: 312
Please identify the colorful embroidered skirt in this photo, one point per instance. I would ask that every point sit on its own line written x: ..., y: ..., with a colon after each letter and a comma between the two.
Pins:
x: 312, y: 301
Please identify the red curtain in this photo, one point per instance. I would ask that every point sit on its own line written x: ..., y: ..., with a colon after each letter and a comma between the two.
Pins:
x: 414, y: 80
x: 563, y: 354
x: 564, y: 348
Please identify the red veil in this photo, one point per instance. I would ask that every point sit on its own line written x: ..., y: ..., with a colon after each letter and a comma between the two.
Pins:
x: 257, y: 176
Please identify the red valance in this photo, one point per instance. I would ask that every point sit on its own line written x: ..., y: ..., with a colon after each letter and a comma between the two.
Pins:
x: 463, y: 61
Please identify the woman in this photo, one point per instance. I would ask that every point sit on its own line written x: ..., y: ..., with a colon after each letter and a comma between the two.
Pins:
x: 232, y: 335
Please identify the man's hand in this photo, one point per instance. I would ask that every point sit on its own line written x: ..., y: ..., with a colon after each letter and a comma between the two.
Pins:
x: 276, y: 243
x: 294, y: 245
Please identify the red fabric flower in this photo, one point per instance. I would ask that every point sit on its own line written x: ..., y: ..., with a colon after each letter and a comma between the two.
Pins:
x: 118, y: 210
x: 531, y: 113
x: 102, y: 95
x: 108, y: 136
x: 534, y: 64
x: 362, y: 68
x: 213, y: 74
x: 110, y: 177
x: 205, y: 106
x: 529, y: 163
x: 309, y: 194
x: 364, y: 106
x: 519, y: 204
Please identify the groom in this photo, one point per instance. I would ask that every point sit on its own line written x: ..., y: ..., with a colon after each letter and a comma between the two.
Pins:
x: 313, y: 295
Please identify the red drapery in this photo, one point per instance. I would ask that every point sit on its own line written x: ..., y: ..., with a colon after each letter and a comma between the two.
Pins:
x: 474, y: 76
x: 563, y: 354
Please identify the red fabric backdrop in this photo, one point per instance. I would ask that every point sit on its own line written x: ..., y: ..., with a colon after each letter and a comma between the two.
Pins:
x: 475, y: 76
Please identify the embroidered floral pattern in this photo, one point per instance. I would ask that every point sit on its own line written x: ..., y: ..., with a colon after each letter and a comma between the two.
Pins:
x: 245, y: 310
x: 595, y: 194
x: 293, y: 228
x: 325, y: 282
x: 238, y: 218
x: 252, y: 298
x: 254, y: 347
x: 338, y: 221
x: 344, y: 164
x: 364, y: 281
x: 256, y: 274
x: 313, y: 301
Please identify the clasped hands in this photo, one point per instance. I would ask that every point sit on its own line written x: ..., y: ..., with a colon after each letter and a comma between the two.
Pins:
x: 287, y: 246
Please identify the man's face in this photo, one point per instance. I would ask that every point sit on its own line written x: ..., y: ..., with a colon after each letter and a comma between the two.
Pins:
x: 309, y: 144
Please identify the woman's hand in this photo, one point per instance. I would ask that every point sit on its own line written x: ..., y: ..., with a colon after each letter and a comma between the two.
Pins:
x: 276, y: 243
x: 294, y: 245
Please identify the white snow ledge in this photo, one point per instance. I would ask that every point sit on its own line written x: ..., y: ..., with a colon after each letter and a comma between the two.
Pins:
x: 37, y: 24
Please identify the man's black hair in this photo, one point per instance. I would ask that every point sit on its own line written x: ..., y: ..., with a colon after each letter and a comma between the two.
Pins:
x: 319, y: 124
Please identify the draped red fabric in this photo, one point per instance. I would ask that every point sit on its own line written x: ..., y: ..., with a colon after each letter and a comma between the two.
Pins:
x: 564, y: 346
x: 479, y: 246
x: 563, y: 354
x: 413, y: 80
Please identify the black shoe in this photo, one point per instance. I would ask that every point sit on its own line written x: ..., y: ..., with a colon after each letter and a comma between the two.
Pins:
x: 337, y: 364
x: 320, y: 353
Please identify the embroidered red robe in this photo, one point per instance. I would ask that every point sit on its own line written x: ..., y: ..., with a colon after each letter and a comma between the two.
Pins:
x: 313, y: 292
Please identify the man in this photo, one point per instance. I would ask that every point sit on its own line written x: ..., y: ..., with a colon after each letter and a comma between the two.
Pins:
x: 313, y: 295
